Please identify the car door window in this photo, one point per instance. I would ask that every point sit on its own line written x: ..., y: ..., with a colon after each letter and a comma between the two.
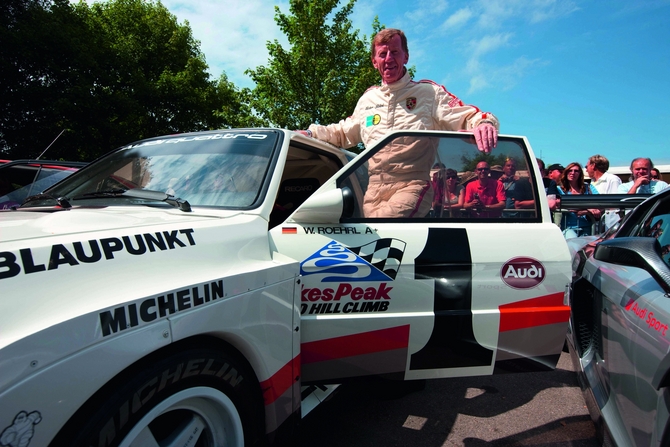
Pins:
x: 442, y: 167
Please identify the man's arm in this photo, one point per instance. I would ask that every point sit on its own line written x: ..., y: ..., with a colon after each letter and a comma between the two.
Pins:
x: 524, y: 194
x: 344, y: 134
x: 495, y: 206
x: 637, y: 183
x: 469, y: 200
x: 452, y: 114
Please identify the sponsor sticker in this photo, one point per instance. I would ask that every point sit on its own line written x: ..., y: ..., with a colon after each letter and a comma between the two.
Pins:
x: 161, y: 306
x: 376, y: 261
x: 21, y: 432
x: 523, y: 273
x: 372, y: 120
x: 28, y: 261
x: 649, y: 318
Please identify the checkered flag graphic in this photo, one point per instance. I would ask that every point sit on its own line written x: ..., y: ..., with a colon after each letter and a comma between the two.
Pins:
x: 384, y: 254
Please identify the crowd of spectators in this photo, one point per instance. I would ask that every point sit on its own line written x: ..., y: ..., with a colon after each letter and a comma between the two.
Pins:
x: 498, y: 191
x: 488, y: 191
x: 559, y: 180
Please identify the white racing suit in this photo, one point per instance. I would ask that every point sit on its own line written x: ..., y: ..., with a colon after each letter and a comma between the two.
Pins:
x: 399, y: 184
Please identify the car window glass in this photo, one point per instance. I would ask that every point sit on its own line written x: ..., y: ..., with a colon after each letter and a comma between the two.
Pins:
x: 446, y: 165
x: 657, y: 225
x: 18, y: 175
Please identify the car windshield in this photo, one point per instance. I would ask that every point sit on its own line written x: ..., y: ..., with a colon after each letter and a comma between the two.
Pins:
x: 222, y: 169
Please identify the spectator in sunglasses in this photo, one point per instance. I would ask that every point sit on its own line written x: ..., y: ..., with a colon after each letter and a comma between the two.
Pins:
x: 656, y: 174
x: 449, y: 196
x: 577, y: 223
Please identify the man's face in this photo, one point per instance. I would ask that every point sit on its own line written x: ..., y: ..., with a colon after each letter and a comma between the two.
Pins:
x: 590, y: 169
x: 510, y: 168
x: 390, y: 59
x: 555, y: 175
x: 641, y: 168
x: 482, y: 170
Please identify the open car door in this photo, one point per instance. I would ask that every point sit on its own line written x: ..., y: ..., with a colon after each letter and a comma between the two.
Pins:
x: 444, y: 294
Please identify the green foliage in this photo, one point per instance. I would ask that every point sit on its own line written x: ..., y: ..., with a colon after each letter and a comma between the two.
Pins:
x: 234, y: 110
x: 322, y: 75
x: 109, y: 73
x: 117, y: 71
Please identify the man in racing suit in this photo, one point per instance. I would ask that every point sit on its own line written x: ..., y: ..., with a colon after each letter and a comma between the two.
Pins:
x: 399, y: 180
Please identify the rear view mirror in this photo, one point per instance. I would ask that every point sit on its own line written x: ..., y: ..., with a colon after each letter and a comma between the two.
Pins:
x: 641, y: 252
x: 327, y: 207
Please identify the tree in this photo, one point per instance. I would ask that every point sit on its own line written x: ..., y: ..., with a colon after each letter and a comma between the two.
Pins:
x: 40, y: 46
x: 152, y: 78
x: 108, y: 74
x: 322, y: 75
x: 234, y: 109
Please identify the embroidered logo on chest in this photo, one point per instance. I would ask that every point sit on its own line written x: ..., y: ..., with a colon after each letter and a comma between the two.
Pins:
x: 410, y: 103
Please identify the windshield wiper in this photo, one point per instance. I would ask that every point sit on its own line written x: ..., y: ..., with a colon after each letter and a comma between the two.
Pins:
x: 63, y: 202
x: 107, y: 193
x: 159, y: 196
x: 146, y: 194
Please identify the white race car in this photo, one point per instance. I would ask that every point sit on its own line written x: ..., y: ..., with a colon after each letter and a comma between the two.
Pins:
x: 210, y: 288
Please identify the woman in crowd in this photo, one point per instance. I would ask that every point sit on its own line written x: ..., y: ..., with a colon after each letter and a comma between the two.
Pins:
x: 449, y: 195
x: 576, y: 223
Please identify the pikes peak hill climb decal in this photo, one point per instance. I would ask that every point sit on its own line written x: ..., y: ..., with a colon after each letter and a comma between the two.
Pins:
x: 377, y: 261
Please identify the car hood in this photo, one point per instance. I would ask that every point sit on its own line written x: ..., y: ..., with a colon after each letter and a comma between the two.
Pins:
x: 47, y: 222
x: 62, y: 272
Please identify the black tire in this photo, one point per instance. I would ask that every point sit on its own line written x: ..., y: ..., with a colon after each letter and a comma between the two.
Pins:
x: 200, y: 394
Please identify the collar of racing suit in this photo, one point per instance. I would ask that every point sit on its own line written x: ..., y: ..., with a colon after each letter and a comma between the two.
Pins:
x: 397, y: 85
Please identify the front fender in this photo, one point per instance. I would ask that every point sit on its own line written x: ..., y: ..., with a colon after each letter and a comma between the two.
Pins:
x: 58, y: 390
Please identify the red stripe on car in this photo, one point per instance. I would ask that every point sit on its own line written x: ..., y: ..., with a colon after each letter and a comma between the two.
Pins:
x: 540, y: 311
x: 356, y: 344
x: 282, y: 380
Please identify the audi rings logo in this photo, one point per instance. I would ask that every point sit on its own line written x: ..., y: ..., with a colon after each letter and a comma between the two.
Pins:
x: 523, y: 273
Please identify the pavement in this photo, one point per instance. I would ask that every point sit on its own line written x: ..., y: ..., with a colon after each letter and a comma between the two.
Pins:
x: 544, y: 409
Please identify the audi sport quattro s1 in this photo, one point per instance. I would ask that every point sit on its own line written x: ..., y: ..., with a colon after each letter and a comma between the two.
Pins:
x: 210, y: 288
x: 620, y: 314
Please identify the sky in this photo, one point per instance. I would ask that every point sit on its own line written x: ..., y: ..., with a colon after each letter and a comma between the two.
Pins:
x: 576, y: 77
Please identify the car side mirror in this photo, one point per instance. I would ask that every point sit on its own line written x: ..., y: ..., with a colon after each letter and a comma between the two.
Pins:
x: 326, y: 207
x: 641, y: 252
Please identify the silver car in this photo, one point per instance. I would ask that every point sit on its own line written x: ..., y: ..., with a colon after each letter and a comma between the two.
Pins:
x: 620, y: 315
